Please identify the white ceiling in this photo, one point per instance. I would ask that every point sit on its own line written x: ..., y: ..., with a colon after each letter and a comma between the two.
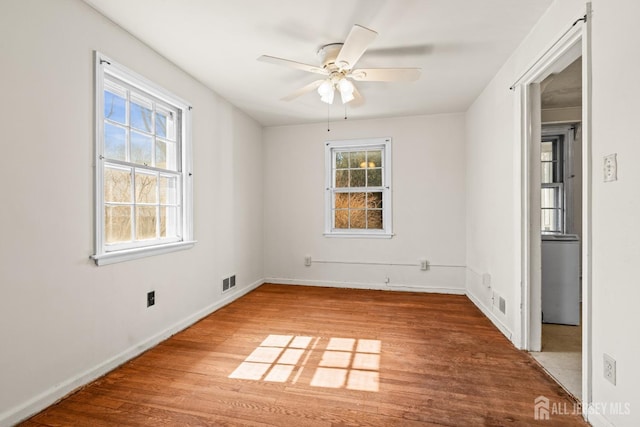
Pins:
x: 459, y: 44
x: 563, y: 89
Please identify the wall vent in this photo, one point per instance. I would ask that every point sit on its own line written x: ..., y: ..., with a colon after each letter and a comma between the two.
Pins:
x: 503, y: 305
x: 228, y: 283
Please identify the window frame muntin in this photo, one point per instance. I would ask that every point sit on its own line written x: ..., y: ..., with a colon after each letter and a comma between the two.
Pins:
x: 364, y: 144
x: 105, y: 65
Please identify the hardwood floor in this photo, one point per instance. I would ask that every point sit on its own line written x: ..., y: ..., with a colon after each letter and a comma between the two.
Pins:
x: 306, y: 356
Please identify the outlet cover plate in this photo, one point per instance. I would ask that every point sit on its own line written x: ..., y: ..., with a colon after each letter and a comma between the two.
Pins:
x: 610, y: 168
x: 609, y: 368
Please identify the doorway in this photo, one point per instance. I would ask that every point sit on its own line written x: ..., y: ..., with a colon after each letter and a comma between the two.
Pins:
x: 561, y: 226
x: 545, y: 207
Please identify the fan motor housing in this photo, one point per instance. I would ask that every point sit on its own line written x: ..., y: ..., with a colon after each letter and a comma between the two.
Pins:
x: 328, y: 54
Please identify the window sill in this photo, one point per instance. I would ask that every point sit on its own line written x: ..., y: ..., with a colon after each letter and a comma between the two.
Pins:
x: 131, y: 254
x: 360, y: 235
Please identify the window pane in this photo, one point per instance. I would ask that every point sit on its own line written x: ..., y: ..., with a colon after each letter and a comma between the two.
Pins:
x: 115, y: 107
x: 161, y: 124
x: 342, y: 160
x: 341, y: 218
x: 357, y: 200
x: 166, y: 123
x: 374, y: 200
x: 357, y: 178
x: 358, y: 218
x: 172, y: 156
x: 547, y: 173
x: 146, y: 185
x: 374, y: 177
x: 161, y: 154
x: 168, y: 190
x: 145, y: 222
x: 546, y: 151
x: 374, y: 158
x: 141, y: 148
x: 374, y: 219
x: 342, y: 178
x: 550, y: 220
x: 168, y: 221
x: 117, y: 224
x: 141, y: 114
x: 358, y: 159
x: 115, y: 142
x: 117, y: 185
x: 166, y: 157
x: 341, y: 201
x: 549, y: 198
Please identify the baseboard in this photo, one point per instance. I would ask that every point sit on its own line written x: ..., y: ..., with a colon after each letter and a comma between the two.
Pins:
x: 54, y: 394
x: 596, y: 419
x: 373, y: 286
x: 487, y: 312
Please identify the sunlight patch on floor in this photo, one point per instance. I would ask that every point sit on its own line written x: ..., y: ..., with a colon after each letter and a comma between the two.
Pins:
x: 344, y: 363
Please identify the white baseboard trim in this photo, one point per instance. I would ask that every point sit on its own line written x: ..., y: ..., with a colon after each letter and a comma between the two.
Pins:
x: 494, y: 319
x: 54, y: 394
x: 374, y: 286
x: 596, y: 419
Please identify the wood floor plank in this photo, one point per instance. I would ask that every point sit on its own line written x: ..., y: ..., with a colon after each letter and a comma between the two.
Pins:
x: 322, y: 357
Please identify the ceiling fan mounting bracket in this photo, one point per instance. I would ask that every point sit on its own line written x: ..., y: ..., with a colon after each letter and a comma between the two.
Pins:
x: 328, y: 54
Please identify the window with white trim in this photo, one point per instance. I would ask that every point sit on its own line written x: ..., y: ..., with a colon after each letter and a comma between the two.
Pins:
x: 552, y: 178
x: 143, y: 183
x: 358, y: 188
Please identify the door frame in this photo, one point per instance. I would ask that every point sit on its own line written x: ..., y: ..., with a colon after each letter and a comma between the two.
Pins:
x: 574, y: 43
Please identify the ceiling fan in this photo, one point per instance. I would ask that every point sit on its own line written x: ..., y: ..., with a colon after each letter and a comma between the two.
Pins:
x: 338, y: 61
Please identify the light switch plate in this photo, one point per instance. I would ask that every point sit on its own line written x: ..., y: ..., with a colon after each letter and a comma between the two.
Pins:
x: 610, y: 168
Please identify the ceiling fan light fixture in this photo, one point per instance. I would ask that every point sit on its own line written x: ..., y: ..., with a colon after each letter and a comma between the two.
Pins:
x: 346, y: 90
x: 327, y: 98
x: 325, y: 88
x: 346, y: 97
x: 326, y: 91
x: 345, y: 86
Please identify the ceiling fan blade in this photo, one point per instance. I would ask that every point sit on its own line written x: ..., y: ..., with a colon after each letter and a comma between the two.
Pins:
x: 385, y: 74
x: 308, y: 88
x: 293, y: 64
x: 357, y: 41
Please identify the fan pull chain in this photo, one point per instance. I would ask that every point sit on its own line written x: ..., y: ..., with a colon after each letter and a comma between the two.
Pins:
x: 328, y: 116
x: 345, y: 111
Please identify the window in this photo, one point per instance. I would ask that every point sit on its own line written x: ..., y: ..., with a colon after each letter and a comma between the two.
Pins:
x: 358, y: 188
x: 553, y: 190
x: 143, y: 187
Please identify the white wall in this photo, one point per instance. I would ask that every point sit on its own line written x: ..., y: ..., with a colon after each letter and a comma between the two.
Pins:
x: 616, y: 206
x: 493, y: 182
x: 428, y: 206
x: 62, y: 319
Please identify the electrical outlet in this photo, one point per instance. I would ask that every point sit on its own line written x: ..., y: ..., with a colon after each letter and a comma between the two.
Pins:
x: 307, y: 260
x: 424, y: 265
x: 151, y: 298
x: 610, y: 168
x: 609, y: 368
